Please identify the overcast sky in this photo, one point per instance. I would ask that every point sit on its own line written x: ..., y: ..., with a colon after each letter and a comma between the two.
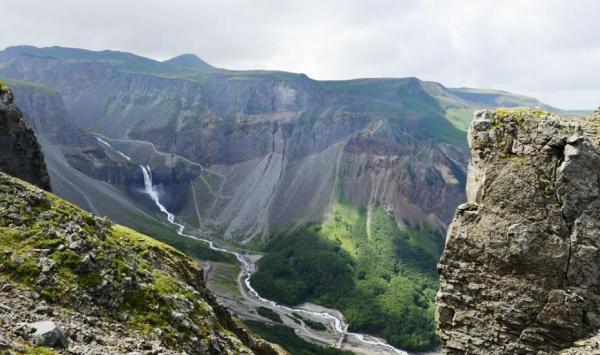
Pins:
x: 549, y: 49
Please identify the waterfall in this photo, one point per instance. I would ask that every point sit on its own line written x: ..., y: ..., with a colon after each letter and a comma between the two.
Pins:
x: 151, y: 191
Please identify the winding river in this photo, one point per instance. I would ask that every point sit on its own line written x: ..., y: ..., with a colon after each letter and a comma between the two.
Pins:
x: 248, y: 268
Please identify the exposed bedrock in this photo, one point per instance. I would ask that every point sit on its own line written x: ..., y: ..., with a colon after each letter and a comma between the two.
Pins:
x: 521, y: 269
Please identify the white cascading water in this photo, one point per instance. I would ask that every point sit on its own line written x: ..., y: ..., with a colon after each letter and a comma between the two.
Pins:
x: 247, y: 267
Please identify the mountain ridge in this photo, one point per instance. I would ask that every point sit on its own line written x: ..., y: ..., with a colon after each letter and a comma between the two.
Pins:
x: 287, y: 111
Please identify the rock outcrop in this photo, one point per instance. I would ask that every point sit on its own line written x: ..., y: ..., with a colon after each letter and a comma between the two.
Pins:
x: 20, y: 153
x: 521, y: 270
x: 69, y: 279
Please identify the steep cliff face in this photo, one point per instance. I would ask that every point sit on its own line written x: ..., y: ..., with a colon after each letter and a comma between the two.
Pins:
x: 20, y: 153
x: 520, y: 270
x: 44, y: 110
x: 245, y: 151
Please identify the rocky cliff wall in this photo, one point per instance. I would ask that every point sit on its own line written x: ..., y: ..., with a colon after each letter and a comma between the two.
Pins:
x: 520, y: 272
x: 20, y: 153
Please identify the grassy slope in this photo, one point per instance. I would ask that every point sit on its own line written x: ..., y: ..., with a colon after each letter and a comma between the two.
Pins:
x: 384, y: 281
x: 269, y: 314
x: 459, y: 108
x: 194, y: 248
x: 44, y: 223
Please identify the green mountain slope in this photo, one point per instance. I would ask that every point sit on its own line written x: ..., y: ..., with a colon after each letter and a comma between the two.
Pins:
x: 383, y: 279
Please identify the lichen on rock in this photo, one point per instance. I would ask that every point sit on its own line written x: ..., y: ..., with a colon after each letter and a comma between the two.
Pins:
x: 521, y: 268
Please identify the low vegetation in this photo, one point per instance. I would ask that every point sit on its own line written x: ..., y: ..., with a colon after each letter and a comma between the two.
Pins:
x: 382, y: 279
x: 310, y: 323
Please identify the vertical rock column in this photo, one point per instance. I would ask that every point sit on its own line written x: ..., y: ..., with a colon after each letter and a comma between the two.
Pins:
x: 521, y: 268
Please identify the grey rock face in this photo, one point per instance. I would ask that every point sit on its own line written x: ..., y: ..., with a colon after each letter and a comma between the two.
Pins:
x: 520, y: 270
x: 20, y: 153
x: 243, y: 152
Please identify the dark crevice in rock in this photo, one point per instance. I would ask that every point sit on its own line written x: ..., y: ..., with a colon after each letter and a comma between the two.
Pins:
x: 560, y: 154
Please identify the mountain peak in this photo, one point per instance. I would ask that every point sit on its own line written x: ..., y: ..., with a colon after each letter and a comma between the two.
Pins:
x: 189, y: 60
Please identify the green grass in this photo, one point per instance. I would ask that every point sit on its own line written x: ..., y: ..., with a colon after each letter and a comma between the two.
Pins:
x: 269, y: 314
x: 383, y: 280
x: 286, y: 337
x: 30, y: 87
x: 460, y: 117
x: 405, y: 102
x: 196, y: 249
x: 315, y: 325
x: 341, y: 230
x: 90, y: 280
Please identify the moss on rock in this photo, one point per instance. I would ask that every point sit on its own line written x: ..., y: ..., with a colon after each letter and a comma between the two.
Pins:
x: 72, y: 258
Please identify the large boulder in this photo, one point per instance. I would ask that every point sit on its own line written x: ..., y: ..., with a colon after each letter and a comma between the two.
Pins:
x: 521, y: 269
x: 46, y: 333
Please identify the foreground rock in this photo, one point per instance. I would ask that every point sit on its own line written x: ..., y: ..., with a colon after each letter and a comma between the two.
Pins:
x: 71, y: 280
x: 46, y: 333
x: 521, y: 268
